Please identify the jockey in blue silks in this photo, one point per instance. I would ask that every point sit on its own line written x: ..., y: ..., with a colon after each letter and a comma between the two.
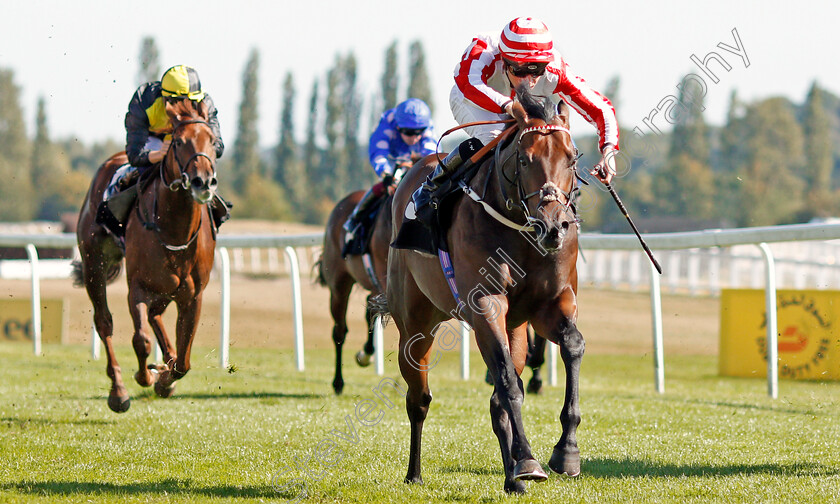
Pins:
x: 404, y: 134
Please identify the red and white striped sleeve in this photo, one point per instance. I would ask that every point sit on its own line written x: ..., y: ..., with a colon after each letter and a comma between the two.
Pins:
x: 592, y: 105
x: 477, y: 65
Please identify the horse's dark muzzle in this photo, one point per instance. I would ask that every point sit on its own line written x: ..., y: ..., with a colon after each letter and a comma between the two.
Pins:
x: 203, y: 188
x: 551, y: 234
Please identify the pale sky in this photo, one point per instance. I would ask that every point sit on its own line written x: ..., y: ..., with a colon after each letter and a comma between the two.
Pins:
x: 82, y: 55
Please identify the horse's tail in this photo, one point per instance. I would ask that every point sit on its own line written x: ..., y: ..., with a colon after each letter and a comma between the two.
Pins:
x: 378, y: 305
x: 319, y: 264
x: 78, y: 276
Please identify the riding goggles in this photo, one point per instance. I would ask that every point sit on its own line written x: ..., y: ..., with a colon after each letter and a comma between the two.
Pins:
x: 411, y: 131
x: 532, y: 69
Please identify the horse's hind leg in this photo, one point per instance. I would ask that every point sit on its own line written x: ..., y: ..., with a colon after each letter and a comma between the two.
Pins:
x: 94, y: 271
x: 340, y: 289
x: 565, y: 459
x: 363, y: 356
x: 536, y: 359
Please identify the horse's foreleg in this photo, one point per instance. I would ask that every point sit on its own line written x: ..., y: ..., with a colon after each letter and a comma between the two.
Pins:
x: 504, y: 355
x: 142, y: 340
x: 565, y: 459
x: 339, y: 297
x: 188, y: 313
x: 94, y: 278
x: 156, y: 322
x: 535, y: 361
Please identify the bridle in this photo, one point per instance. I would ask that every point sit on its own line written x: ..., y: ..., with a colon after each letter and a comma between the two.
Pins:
x: 548, y: 192
x: 183, y: 181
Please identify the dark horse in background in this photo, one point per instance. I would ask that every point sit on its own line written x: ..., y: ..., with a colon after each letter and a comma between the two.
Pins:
x: 340, y: 274
x: 169, y: 245
x: 530, y: 182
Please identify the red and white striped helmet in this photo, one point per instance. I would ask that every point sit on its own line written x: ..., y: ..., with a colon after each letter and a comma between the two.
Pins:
x: 527, y: 40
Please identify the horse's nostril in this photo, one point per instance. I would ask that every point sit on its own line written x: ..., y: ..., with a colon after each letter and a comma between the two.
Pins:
x: 213, y: 182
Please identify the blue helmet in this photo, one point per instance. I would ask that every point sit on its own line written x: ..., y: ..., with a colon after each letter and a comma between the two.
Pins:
x: 413, y: 114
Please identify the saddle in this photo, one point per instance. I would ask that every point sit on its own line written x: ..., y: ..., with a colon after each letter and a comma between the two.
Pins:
x: 427, y: 231
x: 360, y: 244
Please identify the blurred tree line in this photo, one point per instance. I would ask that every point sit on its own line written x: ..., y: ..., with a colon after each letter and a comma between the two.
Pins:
x: 302, y: 181
x: 773, y: 162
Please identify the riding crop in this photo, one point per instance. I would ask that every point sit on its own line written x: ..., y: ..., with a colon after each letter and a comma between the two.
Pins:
x: 639, y: 236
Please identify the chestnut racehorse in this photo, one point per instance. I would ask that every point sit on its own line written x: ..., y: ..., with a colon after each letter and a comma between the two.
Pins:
x: 339, y: 274
x: 513, y: 247
x: 169, y: 247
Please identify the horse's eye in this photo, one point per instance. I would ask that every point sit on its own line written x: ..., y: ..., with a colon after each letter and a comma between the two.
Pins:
x: 178, y: 142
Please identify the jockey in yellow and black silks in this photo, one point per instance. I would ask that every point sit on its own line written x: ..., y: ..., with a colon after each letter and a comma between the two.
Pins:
x: 146, y: 122
x: 147, y: 140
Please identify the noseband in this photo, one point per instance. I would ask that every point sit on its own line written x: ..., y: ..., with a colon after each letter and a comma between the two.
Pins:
x: 183, y: 181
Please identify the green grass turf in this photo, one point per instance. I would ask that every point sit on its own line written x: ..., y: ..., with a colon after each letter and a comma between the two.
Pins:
x: 223, y: 436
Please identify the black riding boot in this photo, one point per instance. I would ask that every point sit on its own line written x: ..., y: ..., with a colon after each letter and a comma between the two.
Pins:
x: 361, y: 207
x: 106, y: 219
x: 423, y: 195
x: 220, y: 210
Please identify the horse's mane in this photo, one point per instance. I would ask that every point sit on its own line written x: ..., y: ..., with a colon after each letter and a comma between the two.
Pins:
x: 537, y: 107
x: 181, y: 109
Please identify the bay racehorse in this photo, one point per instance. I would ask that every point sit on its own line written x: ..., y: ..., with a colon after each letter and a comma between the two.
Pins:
x: 169, y: 246
x: 513, y: 247
x: 340, y: 274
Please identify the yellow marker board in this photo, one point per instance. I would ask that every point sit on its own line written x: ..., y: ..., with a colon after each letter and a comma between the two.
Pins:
x: 16, y: 320
x: 808, y: 336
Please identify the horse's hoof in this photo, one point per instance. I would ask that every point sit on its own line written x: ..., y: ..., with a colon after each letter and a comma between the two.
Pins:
x: 164, y: 391
x: 140, y: 376
x: 566, y: 463
x: 515, y: 487
x: 414, y: 480
x: 338, y: 387
x: 362, y: 358
x: 535, y: 386
x: 119, y: 404
x: 529, y: 470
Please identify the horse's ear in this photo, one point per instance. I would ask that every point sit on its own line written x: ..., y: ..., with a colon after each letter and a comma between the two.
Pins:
x: 563, y: 113
x: 201, y: 107
x: 519, y: 112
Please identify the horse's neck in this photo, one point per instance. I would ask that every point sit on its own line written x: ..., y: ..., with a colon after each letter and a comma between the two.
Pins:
x: 177, y: 213
x: 488, y: 184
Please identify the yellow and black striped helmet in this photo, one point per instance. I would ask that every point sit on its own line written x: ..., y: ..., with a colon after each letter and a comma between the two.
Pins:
x: 183, y: 82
